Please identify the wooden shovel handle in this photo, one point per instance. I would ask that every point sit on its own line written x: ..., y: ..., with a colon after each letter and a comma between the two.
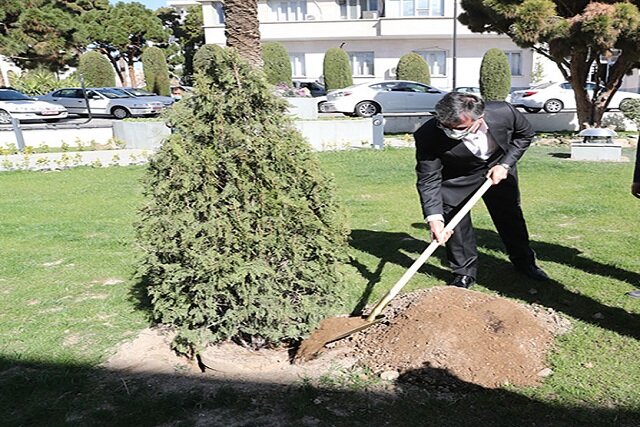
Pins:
x: 428, y: 252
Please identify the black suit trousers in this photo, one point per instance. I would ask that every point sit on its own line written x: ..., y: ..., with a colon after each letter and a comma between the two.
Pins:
x: 503, y: 203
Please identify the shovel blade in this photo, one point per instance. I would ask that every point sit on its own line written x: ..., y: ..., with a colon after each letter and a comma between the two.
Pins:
x: 330, y: 330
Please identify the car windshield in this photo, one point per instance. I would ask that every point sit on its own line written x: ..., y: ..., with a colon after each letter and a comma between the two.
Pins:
x: 543, y: 85
x: 139, y: 92
x: 113, y: 93
x: 12, y: 95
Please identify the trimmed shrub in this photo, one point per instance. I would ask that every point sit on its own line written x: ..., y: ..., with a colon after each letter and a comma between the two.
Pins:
x: 206, y: 59
x: 96, y: 70
x: 412, y: 66
x: 241, y: 231
x: 495, y: 75
x: 277, y: 66
x: 156, y: 71
x: 336, y: 69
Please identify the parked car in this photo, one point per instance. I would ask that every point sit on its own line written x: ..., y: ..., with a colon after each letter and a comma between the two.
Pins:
x: 14, y: 104
x: 103, y: 102
x: 167, y: 101
x: 555, y: 97
x: 314, y: 87
x: 468, y: 89
x: 383, y: 96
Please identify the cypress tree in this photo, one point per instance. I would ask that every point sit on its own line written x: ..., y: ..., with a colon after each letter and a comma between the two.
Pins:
x: 412, y: 66
x: 96, y: 70
x: 241, y: 232
x: 336, y: 69
x: 495, y: 75
x: 206, y: 58
x: 277, y: 66
x: 156, y: 71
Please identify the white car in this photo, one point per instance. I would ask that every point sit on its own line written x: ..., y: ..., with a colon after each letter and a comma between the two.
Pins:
x: 167, y: 101
x: 383, y: 96
x: 14, y: 104
x: 103, y: 102
x: 555, y: 97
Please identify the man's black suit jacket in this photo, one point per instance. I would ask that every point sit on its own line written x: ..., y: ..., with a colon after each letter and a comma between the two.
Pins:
x: 448, y: 172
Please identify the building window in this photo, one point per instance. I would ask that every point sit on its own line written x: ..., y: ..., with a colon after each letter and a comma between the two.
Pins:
x: 297, y: 64
x: 414, y: 8
x: 353, y: 9
x: 289, y: 10
x: 515, y: 62
x: 436, y: 60
x: 361, y: 63
x: 218, y: 12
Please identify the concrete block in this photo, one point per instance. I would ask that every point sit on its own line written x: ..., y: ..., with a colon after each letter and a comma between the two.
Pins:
x: 596, y: 152
x: 141, y: 135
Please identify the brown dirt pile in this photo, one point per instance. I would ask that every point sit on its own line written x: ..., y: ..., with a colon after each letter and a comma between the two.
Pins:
x: 477, y: 338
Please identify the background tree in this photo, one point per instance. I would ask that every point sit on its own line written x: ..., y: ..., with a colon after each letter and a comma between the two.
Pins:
x: 156, y: 73
x: 188, y: 36
x: 571, y: 33
x: 412, y: 66
x: 336, y: 69
x: 96, y: 70
x: 45, y: 33
x: 277, y: 66
x: 495, y: 75
x: 242, y: 29
x: 241, y: 230
x: 40, y: 81
x: 122, y: 32
x: 206, y: 59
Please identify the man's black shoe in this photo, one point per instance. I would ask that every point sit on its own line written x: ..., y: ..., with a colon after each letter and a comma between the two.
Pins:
x: 533, y: 271
x: 462, y: 281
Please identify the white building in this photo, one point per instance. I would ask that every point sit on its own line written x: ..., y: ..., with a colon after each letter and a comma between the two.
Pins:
x: 376, y: 33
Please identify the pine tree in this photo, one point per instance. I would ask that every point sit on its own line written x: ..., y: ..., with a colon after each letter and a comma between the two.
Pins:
x: 241, y: 231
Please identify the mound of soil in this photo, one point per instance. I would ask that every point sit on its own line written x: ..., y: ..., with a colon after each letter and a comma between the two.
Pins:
x: 476, y: 338
x: 428, y: 337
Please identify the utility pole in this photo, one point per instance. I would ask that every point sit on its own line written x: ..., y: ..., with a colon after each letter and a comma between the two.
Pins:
x: 454, y: 57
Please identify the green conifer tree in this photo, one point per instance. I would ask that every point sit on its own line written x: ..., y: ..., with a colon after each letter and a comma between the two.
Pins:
x: 277, y: 66
x: 96, y: 70
x: 156, y: 71
x: 412, y: 66
x: 206, y: 59
x: 241, y: 231
x: 336, y: 69
x: 495, y: 75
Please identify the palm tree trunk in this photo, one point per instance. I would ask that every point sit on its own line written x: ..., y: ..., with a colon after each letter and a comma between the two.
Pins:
x: 242, y: 29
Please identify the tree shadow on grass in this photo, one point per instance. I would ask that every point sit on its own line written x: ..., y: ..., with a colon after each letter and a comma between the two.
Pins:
x: 39, y: 394
x: 499, y: 275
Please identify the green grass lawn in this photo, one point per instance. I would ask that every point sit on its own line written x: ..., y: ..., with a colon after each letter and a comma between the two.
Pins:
x: 66, y: 279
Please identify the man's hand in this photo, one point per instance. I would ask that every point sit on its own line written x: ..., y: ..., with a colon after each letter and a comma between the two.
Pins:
x: 497, y: 173
x: 635, y: 189
x: 438, y: 233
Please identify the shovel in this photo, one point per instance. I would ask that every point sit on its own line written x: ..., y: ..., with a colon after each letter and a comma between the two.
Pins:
x: 336, y: 328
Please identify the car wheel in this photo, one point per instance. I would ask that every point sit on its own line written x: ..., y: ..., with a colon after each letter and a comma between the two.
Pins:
x: 367, y: 109
x: 120, y: 113
x: 553, y: 106
x: 532, y: 110
x: 5, y: 118
x: 626, y: 104
x: 322, y: 107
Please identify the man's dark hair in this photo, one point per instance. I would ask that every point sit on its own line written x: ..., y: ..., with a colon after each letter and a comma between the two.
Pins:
x: 454, y: 106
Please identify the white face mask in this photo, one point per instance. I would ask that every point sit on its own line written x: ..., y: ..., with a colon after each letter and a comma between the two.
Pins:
x: 460, y: 133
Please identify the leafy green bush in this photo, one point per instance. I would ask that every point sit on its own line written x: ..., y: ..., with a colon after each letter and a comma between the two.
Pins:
x: 631, y: 110
x: 156, y: 71
x: 495, y: 75
x: 241, y: 232
x: 206, y: 59
x: 412, y: 66
x: 96, y: 70
x: 336, y: 69
x: 277, y: 66
x: 40, y: 81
